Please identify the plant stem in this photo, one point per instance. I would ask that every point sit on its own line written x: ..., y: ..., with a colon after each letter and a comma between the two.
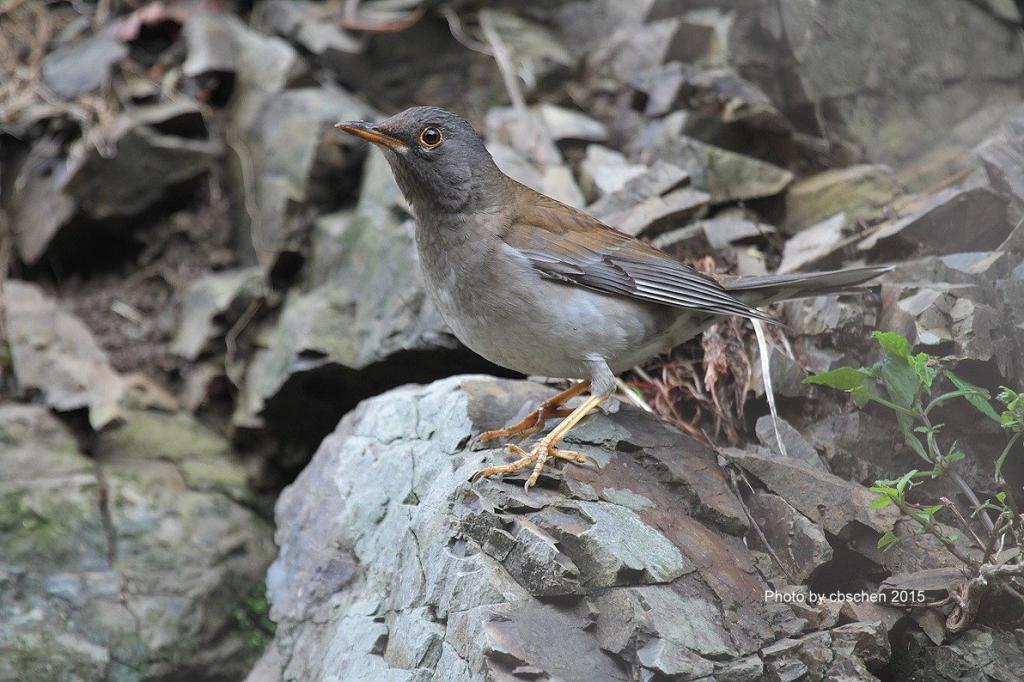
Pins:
x: 1004, y: 453
x: 966, y: 490
x: 957, y: 479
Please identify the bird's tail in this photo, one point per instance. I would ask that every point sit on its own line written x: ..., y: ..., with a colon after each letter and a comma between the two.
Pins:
x: 771, y: 288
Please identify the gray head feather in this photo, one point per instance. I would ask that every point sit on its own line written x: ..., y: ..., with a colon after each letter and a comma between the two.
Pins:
x: 458, y: 174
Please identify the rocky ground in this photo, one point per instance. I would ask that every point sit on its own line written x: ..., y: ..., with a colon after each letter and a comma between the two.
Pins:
x: 200, y: 278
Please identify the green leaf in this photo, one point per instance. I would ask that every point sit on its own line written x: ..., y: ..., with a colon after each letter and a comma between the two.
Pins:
x: 1013, y: 417
x: 931, y: 509
x: 843, y: 379
x: 880, y: 502
x: 893, y: 344
x: 975, y: 395
x: 1001, y: 496
x: 901, y: 484
x: 912, y: 441
x: 926, y: 372
x: 901, y: 381
x: 884, y: 490
x: 889, y: 538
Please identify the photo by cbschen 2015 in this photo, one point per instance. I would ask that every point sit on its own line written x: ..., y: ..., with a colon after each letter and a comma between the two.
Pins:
x: 573, y: 340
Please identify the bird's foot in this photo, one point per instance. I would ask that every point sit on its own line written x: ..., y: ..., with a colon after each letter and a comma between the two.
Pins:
x: 540, y: 453
x: 534, y: 422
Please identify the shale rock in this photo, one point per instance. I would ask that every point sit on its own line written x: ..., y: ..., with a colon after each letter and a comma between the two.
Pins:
x: 393, y: 564
x: 132, y: 565
x: 53, y: 353
x: 211, y: 305
x: 83, y: 67
x: 861, y: 192
x: 725, y: 175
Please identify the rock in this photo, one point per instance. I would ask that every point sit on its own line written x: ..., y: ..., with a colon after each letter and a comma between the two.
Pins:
x: 727, y: 228
x: 890, y: 80
x: 634, y: 51
x: 718, y: 92
x: 211, y: 305
x: 659, y: 179
x: 40, y: 208
x: 862, y: 192
x: 210, y: 68
x: 994, y: 654
x: 604, y: 171
x: 154, y: 148
x: 725, y: 175
x: 1003, y: 160
x: 131, y: 565
x: 857, y: 446
x: 1004, y: 9
x: 265, y: 65
x: 799, y: 544
x: 816, y: 245
x: 84, y: 66
x: 716, y: 234
x: 797, y: 446
x: 363, y: 325
x: 420, y: 570
x: 950, y: 300
x: 53, y: 353
x: 823, y: 498
x: 657, y: 214
x: 565, y: 124
x: 297, y: 159
x: 534, y: 49
x: 311, y: 26
x: 926, y: 229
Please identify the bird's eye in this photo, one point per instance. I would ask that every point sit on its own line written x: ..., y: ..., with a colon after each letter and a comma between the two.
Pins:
x: 430, y: 137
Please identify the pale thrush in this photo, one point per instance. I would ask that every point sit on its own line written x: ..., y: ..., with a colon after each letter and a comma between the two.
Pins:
x: 542, y: 288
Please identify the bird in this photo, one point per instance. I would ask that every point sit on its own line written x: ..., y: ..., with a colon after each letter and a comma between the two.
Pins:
x: 542, y: 288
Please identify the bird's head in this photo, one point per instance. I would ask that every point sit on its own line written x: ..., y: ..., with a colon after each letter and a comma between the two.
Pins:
x: 439, y: 161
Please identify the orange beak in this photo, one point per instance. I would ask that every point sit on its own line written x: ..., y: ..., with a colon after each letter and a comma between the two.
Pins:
x: 371, y: 134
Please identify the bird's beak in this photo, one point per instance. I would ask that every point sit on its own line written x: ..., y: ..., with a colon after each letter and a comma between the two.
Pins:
x: 371, y: 134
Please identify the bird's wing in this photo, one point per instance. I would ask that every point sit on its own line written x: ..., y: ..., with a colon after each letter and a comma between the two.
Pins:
x: 568, y: 245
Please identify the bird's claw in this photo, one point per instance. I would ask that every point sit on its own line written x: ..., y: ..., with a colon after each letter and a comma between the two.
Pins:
x: 536, y: 457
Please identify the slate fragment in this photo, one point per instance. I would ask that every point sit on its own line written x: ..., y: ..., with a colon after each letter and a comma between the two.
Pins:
x: 84, y: 66
x: 862, y: 192
x: 951, y: 221
x: 213, y: 301
x: 54, y: 353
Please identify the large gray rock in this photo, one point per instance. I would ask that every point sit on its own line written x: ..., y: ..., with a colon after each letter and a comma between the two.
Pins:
x: 133, y: 565
x: 889, y: 77
x: 393, y: 566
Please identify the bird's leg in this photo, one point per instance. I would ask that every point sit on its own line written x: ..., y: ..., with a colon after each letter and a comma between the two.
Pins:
x: 547, y: 447
x: 534, y: 422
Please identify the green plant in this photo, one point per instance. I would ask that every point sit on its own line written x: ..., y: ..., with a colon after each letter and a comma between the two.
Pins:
x: 912, y: 386
x: 252, y: 618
